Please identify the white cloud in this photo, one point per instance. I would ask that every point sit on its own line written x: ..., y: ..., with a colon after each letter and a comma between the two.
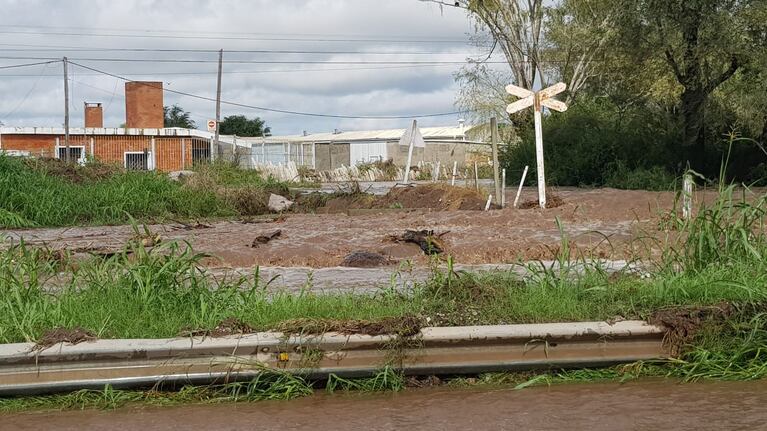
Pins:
x: 369, y: 90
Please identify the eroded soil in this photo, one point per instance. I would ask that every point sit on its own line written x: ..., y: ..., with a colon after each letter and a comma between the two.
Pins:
x: 604, y: 222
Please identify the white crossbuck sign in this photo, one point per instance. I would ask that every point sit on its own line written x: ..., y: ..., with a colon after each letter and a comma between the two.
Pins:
x: 537, y: 99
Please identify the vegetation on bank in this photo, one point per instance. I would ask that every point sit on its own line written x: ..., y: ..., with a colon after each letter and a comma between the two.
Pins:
x: 709, y: 287
x: 49, y: 192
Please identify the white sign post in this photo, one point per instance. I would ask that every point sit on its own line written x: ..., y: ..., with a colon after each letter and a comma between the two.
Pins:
x: 412, y: 138
x: 537, y: 100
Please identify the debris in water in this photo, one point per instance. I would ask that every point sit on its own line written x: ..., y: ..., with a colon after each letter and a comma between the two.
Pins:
x: 426, y: 239
x: 229, y: 326
x: 405, y: 326
x: 682, y: 323
x: 74, y: 335
x: 263, y: 239
x: 365, y: 259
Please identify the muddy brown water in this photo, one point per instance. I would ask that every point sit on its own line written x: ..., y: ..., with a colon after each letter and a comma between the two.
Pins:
x: 645, y: 405
x: 601, y: 220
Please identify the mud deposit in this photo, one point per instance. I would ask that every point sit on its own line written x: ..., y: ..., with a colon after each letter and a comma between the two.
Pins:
x: 630, y: 406
x: 602, y: 221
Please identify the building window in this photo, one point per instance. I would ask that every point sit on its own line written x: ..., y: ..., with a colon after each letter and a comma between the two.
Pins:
x: 137, y: 161
x: 75, y: 154
x: 200, y: 152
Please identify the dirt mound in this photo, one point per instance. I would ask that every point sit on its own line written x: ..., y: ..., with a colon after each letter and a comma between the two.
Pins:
x: 405, y: 326
x: 73, y: 172
x: 682, y: 323
x: 435, y: 196
x: 74, y: 335
x: 552, y: 201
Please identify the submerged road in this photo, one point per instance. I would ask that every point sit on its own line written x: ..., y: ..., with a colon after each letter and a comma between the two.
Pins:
x: 646, y: 405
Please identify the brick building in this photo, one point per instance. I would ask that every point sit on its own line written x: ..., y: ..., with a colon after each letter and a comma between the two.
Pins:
x: 143, y: 144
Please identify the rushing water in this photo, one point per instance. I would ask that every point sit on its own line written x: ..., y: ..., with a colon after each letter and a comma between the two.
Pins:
x: 648, y: 405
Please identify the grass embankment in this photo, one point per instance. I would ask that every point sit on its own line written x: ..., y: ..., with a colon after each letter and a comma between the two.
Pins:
x: 40, y: 192
x: 716, y: 272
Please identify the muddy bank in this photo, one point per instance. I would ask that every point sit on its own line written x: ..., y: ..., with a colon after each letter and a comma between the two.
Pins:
x: 642, y: 405
x: 603, y: 221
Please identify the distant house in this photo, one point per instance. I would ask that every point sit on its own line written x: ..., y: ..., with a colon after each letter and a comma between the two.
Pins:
x: 143, y: 145
x: 325, y: 151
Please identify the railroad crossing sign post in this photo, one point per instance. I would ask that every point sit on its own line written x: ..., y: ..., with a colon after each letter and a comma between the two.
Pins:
x: 537, y: 100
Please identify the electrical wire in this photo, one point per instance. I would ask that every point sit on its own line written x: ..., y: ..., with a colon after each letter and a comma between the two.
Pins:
x: 281, y: 111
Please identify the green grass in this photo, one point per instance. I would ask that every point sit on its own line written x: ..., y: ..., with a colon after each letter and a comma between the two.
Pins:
x: 717, y: 257
x: 36, y: 193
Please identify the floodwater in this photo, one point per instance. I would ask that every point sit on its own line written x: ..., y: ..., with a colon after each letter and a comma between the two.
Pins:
x: 646, y: 405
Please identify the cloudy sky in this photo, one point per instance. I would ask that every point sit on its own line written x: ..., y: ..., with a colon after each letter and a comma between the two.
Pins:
x: 338, y: 57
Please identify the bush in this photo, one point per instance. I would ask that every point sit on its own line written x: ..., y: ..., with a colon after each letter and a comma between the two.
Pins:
x: 593, y: 143
x: 654, y: 178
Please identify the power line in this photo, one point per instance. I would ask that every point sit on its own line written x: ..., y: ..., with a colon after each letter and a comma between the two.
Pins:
x: 171, y: 60
x: 281, y: 111
x: 39, y: 48
x: 145, y: 30
x: 332, y: 69
x: 13, y: 66
x: 26, y: 96
x: 287, y: 39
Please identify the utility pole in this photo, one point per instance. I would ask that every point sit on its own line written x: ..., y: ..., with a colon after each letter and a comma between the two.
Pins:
x: 66, y: 110
x: 218, y: 97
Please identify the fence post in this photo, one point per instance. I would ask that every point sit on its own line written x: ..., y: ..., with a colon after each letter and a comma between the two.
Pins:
x: 476, y: 176
x: 93, y: 148
x: 521, y: 183
x: 503, y: 188
x: 212, y: 156
x: 56, y: 149
x: 687, y: 197
x: 183, y: 154
x: 494, y: 140
x: 154, y: 154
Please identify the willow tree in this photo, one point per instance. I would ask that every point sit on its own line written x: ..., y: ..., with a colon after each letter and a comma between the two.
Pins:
x: 704, y: 43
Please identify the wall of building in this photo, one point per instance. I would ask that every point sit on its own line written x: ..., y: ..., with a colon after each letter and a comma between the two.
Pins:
x: 94, y: 116
x: 110, y: 148
x: 445, y: 153
x: 332, y: 156
x: 144, y: 105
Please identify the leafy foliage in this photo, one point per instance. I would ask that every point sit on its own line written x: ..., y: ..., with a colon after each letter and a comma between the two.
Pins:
x: 175, y: 116
x: 240, y: 125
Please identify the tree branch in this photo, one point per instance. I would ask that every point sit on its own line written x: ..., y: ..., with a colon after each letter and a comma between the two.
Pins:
x: 734, y: 65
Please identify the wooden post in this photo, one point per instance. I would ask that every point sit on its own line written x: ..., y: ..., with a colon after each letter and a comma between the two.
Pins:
x: 503, y: 188
x: 66, y: 110
x: 455, y: 167
x: 539, y: 153
x: 56, y: 153
x: 146, y: 159
x: 687, y: 197
x: 476, y: 177
x: 93, y: 148
x: 489, y: 199
x: 435, y: 173
x: 494, y: 140
x: 521, y: 183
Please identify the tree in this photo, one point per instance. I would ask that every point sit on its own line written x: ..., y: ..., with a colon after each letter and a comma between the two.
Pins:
x: 240, y: 125
x: 704, y: 43
x: 541, y: 44
x: 175, y: 116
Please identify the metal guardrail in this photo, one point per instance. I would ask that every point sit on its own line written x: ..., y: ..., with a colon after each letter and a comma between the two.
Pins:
x: 436, y: 350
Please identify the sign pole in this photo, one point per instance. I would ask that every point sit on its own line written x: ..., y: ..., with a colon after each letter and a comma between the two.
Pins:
x: 494, y: 139
x: 539, y: 154
x: 537, y: 100
x: 406, y: 177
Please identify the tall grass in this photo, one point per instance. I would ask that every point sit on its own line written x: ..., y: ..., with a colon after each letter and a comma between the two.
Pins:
x: 32, y: 194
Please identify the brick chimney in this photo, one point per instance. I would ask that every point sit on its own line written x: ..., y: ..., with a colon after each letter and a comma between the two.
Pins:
x: 143, y: 105
x: 94, y: 115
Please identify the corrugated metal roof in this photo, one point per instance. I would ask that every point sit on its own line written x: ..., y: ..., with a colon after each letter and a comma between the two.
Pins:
x: 429, y: 133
